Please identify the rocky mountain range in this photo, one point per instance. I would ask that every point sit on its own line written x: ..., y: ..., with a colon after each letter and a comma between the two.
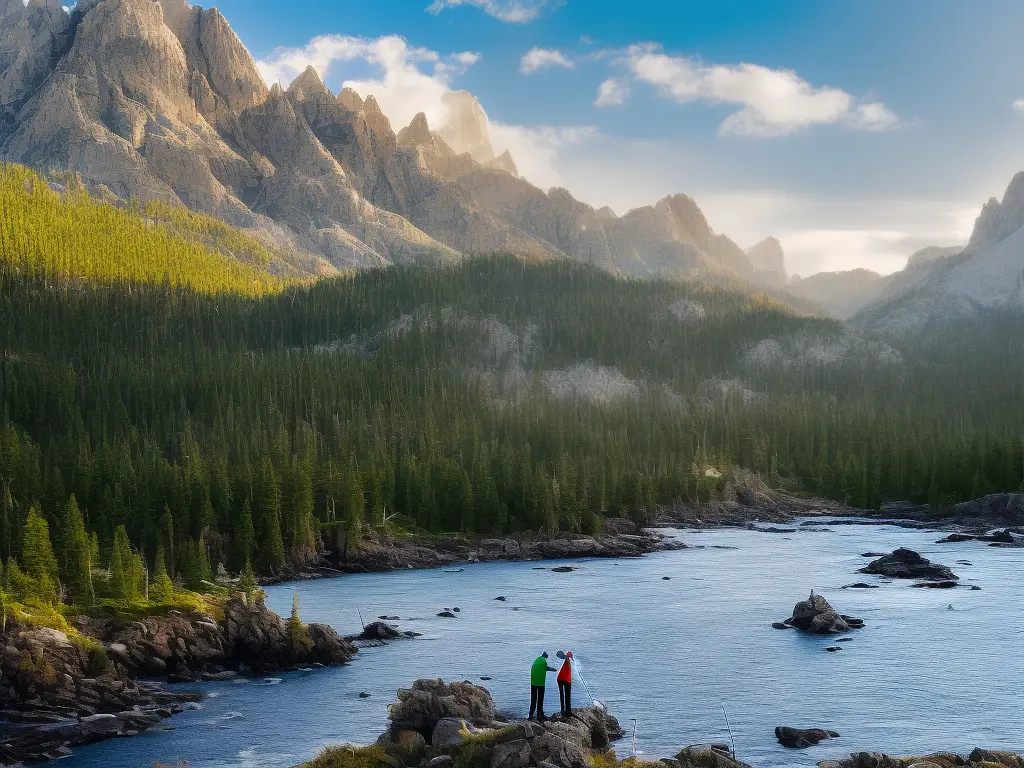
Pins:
x: 845, y: 293
x: 157, y: 99
x: 986, y: 276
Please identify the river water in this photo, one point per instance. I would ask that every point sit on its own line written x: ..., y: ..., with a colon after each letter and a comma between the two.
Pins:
x: 684, y: 657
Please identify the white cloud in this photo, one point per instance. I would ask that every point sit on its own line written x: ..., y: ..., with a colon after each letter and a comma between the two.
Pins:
x: 612, y: 93
x: 403, y: 88
x: 873, y: 117
x: 773, y: 102
x: 511, y: 11
x: 1019, y: 105
x: 538, y: 58
x: 414, y: 80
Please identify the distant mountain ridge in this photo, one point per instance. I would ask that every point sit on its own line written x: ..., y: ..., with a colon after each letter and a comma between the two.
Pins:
x: 986, y: 276
x: 159, y: 100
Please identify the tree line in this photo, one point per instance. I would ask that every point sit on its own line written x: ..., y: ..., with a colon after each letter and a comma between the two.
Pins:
x: 159, y: 429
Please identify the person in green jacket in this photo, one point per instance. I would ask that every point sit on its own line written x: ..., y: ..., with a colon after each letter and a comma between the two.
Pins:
x: 538, y: 677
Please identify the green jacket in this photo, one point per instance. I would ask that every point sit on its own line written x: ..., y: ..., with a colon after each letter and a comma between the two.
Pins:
x: 539, y: 672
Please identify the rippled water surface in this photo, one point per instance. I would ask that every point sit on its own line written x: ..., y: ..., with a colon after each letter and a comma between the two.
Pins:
x: 933, y: 669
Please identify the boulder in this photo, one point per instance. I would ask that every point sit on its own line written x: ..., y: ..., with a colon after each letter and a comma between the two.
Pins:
x: 449, y: 732
x: 815, y: 615
x: 553, y: 748
x: 708, y: 756
x: 905, y: 563
x: 800, y: 738
x: 514, y: 754
x: 427, y: 702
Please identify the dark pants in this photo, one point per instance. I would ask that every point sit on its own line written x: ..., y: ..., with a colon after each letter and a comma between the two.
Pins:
x: 536, y: 701
x: 565, y: 697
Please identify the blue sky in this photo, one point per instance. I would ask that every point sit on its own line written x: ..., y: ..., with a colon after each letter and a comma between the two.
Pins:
x: 856, y: 132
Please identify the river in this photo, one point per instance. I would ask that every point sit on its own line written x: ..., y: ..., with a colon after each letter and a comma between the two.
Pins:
x: 684, y: 657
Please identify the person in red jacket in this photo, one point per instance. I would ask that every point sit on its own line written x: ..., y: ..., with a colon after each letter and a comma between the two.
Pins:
x: 565, y: 685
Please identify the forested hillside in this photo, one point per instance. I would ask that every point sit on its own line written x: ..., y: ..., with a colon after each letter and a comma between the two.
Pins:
x: 197, y: 415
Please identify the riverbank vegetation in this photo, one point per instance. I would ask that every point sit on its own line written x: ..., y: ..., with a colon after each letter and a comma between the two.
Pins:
x: 167, y: 412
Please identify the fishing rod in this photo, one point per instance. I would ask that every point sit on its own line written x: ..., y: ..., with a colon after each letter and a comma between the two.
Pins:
x: 576, y: 669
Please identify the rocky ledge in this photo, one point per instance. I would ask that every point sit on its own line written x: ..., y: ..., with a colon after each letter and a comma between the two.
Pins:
x: 60, y: 691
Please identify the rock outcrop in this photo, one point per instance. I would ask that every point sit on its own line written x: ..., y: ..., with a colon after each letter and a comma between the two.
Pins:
x: 905, y: 563
x: 459, y: 720
x: 801, y: 738
x: 250, y: 639
x: 59, y: 691
x: 815, y: 615
x: 995, y: 509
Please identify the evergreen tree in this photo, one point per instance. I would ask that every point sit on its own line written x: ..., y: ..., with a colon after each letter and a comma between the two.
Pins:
x: 38, y: 559
x: 162, y: 589
x: 75, y: 555
x: 244, y: 539
x: 298, y: 633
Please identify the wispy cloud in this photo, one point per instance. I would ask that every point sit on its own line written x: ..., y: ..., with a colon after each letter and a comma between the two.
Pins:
x: 538, y: 58
x: 412, y: 80
x: 511, y: 11
x: 773, y: 102
x: 1019, y: 105
x: 612, y: 93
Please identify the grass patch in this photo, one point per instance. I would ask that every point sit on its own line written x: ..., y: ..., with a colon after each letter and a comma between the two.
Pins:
x: 347, y: 756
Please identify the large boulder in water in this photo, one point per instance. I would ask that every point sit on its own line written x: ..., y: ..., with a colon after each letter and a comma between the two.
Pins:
x: 800, y: 738
x: 905, y: 563
x: 816, y: 615
x: 428, y: 702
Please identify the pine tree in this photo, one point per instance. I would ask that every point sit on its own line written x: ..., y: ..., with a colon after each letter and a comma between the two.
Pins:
x: 243, y: 542
x: 75, y: 556
x: 298, y: 633
x: 125, y: 568
x: 40, y: 564
x: 162, y: 589
x: 270, y: 546
x: 355, y: 504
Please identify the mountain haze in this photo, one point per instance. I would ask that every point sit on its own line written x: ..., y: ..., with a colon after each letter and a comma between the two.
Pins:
x: 159, y: 100
x: 984, y: 279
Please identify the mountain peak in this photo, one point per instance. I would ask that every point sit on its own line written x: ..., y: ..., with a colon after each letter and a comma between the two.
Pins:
x: 417, y: 132
x: 998, y: 220
x: 768, y: 256
x: 310, y: 86
x: 350, y: 99
x: 504, y: 162
x: 467, y: 128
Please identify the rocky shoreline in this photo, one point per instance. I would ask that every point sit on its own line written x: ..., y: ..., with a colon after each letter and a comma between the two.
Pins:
x: 378, y: 554
x: 435, y: 724
x: 60, y: 691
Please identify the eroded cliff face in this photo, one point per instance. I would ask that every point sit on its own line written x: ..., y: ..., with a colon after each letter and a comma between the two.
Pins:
x: 160, y: 100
